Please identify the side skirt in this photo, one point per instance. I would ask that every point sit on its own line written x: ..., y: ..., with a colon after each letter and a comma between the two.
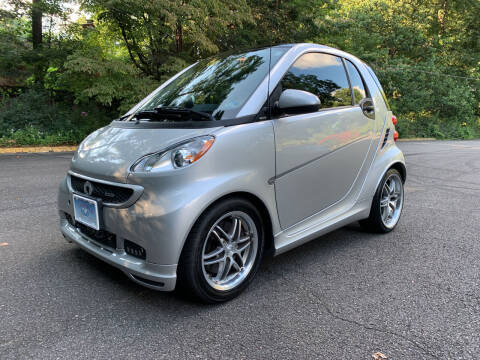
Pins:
x: 304, y: 232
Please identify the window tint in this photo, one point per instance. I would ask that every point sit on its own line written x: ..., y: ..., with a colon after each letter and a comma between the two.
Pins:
x: 356, y: 82
x: 322, y: 75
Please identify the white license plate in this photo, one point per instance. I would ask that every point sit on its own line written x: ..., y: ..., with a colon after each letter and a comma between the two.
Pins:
x: 86, y: 211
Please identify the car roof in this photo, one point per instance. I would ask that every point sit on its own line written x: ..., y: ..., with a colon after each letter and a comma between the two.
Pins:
x: 303, y: 47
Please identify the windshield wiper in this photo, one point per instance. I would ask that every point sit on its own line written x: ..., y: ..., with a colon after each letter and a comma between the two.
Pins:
x: 183, y: 111
x: 173, y: 113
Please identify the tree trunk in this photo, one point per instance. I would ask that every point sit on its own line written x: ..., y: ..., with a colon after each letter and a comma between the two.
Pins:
x: 36, y: 24
x: 179, y: 37
x: 37, y: 40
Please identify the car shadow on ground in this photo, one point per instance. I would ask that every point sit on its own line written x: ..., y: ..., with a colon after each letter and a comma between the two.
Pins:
x: 272, y: 270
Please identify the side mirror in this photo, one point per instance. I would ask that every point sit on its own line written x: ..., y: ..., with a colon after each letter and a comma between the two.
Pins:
x: 368, y: 108
x: 297, y: 102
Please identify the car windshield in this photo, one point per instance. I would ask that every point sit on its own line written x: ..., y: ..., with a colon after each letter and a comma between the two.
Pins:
x: 218, y: 86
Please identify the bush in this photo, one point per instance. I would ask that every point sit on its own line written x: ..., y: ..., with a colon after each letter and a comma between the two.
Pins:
x: 33, y: 136
x: 36, y: 117
x: 429, y: 104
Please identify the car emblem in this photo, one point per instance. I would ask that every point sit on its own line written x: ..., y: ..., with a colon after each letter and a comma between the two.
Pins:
x: 88, y: 188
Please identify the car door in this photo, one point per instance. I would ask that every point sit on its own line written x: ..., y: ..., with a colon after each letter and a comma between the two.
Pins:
x: 319, y: 154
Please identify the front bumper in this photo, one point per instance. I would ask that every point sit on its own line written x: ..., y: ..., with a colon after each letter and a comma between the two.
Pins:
x: 147, y: 223
x: 154, y: 276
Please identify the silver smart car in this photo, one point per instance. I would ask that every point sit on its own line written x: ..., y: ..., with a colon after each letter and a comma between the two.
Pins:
x: 237, y: 156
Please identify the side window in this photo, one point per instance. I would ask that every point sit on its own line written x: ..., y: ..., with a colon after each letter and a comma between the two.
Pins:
x: 321, y: 74
x: 359, y: 92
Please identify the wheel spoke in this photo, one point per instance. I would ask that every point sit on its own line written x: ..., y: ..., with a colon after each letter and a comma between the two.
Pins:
x: 395, y: 195
x: 234, y: 228
x: 388, y: 188
x: 385, y: 192
x: 226, y: 269
x: 239, y: 232
x: 384, y: 202
x: 236, y: 266
x: 223, y: 232
x: 241, y: 240
x: 242, y: 261
x: 384, y: 211
x: 391, y: 210
x: 214, y: 253
x: 219, y: 238
x: 242, y: 248
x: 221, y: 268
x: 392, y: 186
x: 214, y: 261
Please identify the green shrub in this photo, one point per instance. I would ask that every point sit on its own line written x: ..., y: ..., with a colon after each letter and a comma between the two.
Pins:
x: 37, y: 118
x: 33, y: 136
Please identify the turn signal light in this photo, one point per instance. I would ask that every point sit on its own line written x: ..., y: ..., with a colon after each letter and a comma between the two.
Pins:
x: 395, y: 135
x: 394, y: 120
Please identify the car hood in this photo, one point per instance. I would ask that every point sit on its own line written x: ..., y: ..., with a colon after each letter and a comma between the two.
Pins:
x: 109, y: 152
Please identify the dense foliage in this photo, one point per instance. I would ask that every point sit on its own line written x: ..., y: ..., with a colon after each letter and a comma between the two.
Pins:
x: 60, y: 79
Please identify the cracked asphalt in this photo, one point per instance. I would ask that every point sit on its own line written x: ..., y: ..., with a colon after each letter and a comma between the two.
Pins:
x: 410, y: 294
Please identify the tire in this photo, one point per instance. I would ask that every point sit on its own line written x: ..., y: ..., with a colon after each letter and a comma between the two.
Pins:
x: 200, y: 272
x: 378, y: 221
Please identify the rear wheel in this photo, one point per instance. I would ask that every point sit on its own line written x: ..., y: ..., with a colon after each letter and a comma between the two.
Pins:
x: 387, y: 204
x: 223, y: 251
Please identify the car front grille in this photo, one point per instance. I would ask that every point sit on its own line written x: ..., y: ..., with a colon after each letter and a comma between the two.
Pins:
x: 108, y: 193
x: 101, y: 236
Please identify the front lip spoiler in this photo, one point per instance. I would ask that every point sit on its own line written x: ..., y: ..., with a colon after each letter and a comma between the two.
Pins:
x: 153, y: 276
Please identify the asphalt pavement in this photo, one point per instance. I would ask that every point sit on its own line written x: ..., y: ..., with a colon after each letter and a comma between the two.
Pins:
x: 410, y: 294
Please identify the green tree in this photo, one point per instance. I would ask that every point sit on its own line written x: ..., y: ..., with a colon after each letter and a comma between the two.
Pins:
x: 161, y: 37
x: 424, y: 55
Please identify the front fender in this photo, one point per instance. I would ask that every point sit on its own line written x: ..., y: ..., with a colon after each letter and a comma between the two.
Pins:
x: 171, y: 203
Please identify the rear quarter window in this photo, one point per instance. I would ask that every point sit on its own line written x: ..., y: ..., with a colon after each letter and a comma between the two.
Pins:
x: 356, y: 82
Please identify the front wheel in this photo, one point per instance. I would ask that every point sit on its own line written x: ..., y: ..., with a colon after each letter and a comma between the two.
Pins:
x: 387, y: 204
x: 223, y: 251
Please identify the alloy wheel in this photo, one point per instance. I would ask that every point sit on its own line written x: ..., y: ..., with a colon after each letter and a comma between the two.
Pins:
x: 229, y: 250
x: 391, y: 202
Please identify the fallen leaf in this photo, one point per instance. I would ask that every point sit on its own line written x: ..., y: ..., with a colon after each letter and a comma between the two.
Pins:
x: 379, y: 356
x: 3, y: 244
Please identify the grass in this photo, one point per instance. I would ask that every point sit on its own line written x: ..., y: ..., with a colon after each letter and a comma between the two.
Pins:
x: 31, y: 136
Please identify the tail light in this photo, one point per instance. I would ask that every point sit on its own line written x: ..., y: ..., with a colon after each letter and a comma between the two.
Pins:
x: 395, y: 136
x: 394, y: 121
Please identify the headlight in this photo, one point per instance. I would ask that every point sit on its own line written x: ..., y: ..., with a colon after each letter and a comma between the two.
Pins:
x: 179, y: 155
x: 192, y: 151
